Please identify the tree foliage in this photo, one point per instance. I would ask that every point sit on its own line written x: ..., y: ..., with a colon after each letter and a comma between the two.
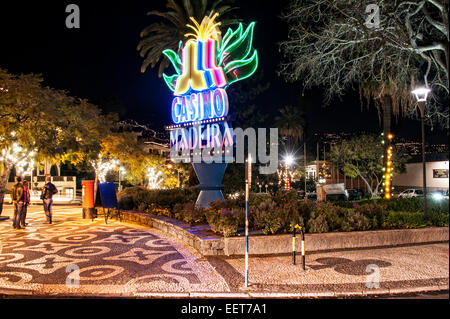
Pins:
x: 291, y: 122
x: 331, y: 45
x: 362, y: 156
x: 57, y: 126
x: 160, y: 36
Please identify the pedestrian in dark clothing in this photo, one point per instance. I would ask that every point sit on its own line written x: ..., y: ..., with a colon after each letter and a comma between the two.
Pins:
x: 17, y: 195
x: 26, y: 200
x: 47, y: 196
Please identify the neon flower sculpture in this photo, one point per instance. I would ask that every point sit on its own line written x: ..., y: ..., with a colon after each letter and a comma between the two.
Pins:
x: 209, y: 61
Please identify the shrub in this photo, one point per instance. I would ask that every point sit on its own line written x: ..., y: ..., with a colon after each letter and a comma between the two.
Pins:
x: 213, y: 218
x: 354, y: 221
x: 409, y: 204
x: 189, y: 214
x: 375, y: 212
x: 227, y: 204
x: 317, y: 224
x: 266, y: 217
x: 438, y: 218
x: 126, y: 203
x: 228, y: 222
x: 141, y: 198
x: 404, y: 220
x: 224, y: 221
x: 332, y: 214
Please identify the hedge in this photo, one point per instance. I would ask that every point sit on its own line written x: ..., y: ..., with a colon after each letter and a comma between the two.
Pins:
x: 277, y: 214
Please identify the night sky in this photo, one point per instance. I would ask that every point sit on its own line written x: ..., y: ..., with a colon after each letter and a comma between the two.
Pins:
x: 100, y: 62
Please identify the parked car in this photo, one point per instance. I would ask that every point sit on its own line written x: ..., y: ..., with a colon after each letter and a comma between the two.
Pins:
x: 353, y: 194
x: 335, y: 192
x: 410, y: 193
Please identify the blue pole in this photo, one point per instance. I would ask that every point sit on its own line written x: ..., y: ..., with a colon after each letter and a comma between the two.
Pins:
x: 247, y: 191
x: 246, y: 240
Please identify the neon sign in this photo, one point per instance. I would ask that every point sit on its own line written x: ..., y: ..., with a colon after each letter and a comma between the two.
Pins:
x: 200, y: 106
x: 207, y: 65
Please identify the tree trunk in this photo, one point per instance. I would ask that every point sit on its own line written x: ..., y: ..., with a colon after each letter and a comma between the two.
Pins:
x: 3, y: 182
x: 369, y: 186
x: 387, y: 115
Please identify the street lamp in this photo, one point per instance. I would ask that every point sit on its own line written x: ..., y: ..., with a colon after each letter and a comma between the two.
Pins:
x: 421, y: 96
x: 288, y: 161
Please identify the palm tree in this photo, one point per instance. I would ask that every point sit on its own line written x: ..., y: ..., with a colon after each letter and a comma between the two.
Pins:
x: 160, y: 36
x: 291, y: 123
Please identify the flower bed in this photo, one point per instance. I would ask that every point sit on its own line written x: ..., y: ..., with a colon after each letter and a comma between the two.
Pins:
x: 276, y: 214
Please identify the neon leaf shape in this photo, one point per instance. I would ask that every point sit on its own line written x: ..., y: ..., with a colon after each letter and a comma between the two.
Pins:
x: 239, y: 48
x: 175, y: 59
x: 241, y: 69
x: 171, y: 81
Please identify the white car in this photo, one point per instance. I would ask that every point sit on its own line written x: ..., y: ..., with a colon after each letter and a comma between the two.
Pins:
x: 409, y: 193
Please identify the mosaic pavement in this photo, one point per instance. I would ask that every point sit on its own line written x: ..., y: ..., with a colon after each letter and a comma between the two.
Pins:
x: 75, y: 256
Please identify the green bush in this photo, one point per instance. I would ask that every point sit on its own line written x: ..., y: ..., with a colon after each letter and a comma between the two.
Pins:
x: 142, y: 199
x: 332, y: 214
x: 224, y: 222
x: 317, y: 224
x: 278, y: 213
x: 438, y: 219
x: 354, y: 221
x: 414, y: 204
x: 188, y: 213
x: 399, y: 220
x: 374, y: 211
x: 264, y: 217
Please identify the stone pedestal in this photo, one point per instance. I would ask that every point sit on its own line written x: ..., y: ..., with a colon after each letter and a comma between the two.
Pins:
x: 210, y: 177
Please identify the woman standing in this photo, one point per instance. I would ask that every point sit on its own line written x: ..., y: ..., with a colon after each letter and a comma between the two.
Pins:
x: 26, y: 203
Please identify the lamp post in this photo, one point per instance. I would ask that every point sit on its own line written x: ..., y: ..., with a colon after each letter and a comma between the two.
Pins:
x: 288, y: 161
x: 421, y: 96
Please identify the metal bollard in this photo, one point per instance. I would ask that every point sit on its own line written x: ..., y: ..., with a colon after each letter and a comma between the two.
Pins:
x: 293, y: 246
x: 303, y: 249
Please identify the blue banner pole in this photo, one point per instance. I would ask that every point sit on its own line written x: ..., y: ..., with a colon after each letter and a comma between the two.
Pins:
x: 247, y: 191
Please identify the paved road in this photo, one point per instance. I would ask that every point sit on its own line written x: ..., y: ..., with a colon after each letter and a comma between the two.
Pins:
x: 115, y: 259
x: 120, y: 259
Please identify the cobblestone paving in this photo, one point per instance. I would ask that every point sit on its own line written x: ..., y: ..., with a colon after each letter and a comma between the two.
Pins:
x: 75, y: 256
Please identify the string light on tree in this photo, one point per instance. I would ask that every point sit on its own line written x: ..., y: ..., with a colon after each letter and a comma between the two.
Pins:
x: 18, y: 156
x: 388, y: 168
x: 102, y: 166
x: 154, y: 178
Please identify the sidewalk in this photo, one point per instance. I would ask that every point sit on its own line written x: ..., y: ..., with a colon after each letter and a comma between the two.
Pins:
x: 417, y: 268
x: 125, y: 260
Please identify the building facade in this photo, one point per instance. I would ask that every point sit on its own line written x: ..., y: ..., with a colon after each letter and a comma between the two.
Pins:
x: 436, y: 175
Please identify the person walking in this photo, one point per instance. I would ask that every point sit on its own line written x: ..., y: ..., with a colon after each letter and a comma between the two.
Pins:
x: 17, y: 195
x: 47, y: 196
x: 26, y: 200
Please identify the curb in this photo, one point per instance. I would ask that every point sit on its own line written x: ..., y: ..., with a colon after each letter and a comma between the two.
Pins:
x: 247, y: 295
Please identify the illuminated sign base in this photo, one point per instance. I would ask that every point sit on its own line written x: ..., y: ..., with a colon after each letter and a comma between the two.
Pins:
x: 210, y: 177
